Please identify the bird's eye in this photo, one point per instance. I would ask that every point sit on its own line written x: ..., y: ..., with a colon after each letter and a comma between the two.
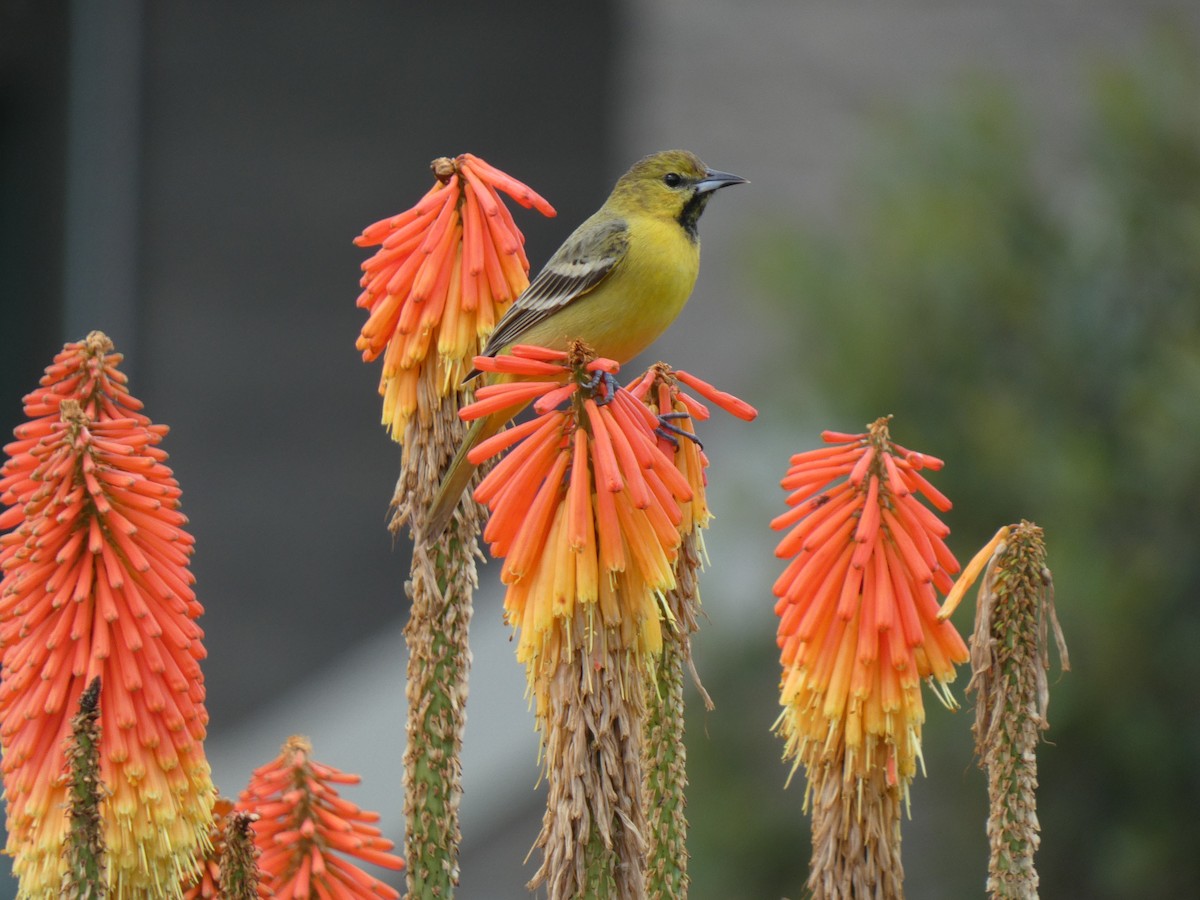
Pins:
x: 672, y: 179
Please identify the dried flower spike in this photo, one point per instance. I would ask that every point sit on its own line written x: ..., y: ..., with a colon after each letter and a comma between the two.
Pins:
x: 1010, y: 656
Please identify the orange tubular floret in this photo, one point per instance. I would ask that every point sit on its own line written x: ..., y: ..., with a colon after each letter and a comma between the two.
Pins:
x: 895, y: 483
x: 841, y: 437
x: 916, y: 565
x: 519, y: 191
x: 800, y: 510
x: 579, y: 495
x: 644, y: 545
x: 835, y: 511
x: 497, y: 397
x: 608, y: 528
x: 472, y: 240
x: 533, y: 351
x: 672, y: 478
x: 664, y: 500
x: 939, y: 500
x: 447, y: 216
x: 630, y: 416
x: 520, y: 365
x: 555, y: 398
x: 639, y: 409
x: 604, y: 460
x: 902, y: 589
x: 818, y: 562
x: 906, y: 519
x: 868, y: 523
x: 518, y: 465
x: 631, y: 469
x: 731, y: 404
x: 531, y: 540
x: 500, y: 442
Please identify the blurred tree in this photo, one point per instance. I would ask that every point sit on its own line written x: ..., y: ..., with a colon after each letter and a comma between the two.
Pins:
x: 1048, y: 346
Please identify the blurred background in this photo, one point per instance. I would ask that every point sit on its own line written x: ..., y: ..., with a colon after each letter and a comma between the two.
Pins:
x: 982, y: 218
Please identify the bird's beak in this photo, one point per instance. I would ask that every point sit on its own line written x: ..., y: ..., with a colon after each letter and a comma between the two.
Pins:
x: 713, y: 180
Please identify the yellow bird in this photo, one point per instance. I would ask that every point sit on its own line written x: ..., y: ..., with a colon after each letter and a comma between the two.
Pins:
x: 616, y: 283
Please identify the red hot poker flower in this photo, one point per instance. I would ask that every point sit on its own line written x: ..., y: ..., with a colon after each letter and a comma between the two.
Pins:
x: 305, y: 830
x: 585, y: 508
x: 857, y: 603
x: 96, y: 583
x: 446, y: 271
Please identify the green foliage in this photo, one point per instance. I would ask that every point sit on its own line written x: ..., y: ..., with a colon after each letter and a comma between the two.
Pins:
x: 1043, y: 336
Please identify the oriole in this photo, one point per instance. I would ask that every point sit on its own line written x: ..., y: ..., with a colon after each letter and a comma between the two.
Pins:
x: 617, y: 283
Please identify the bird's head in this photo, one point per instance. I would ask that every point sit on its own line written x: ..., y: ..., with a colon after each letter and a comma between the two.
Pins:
x: 672, y: 183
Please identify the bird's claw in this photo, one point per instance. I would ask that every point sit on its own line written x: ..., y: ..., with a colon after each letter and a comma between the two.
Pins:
x: 670, y: 433
x: 610, y: 387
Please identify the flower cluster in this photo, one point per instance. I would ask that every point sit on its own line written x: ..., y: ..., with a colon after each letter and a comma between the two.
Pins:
x: 96, y: 583
x: 445, y: 271
x: 858, y: 613
x: 600, y: 534
x: 587, y: 507
x: 659, y: 388
x: 305, y: 830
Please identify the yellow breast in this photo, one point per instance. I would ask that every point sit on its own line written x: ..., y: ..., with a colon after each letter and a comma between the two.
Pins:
x: 635, y: 304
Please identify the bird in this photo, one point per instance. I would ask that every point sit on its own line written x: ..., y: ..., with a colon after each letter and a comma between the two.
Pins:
x: 617, y: 283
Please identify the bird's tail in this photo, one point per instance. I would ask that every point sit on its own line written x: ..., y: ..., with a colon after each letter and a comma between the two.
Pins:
x: 458, y: 475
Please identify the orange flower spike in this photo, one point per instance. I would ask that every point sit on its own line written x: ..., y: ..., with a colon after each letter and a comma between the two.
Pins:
x: 304, y: 826
x: 858, y: 614
x: 437, y: 280
x: 97, y: 548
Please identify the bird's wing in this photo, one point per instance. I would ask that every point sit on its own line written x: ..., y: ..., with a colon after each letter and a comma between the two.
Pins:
x: 583, y: 261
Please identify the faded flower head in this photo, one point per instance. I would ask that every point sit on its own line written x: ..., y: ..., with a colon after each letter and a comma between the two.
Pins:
x: 96, y: 583
x: 445, y: 272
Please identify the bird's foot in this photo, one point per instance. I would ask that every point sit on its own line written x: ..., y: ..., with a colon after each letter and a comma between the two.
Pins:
x: 671, y: 433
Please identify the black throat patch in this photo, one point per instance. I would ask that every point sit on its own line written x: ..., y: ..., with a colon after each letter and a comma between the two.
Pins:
x: 690, y: 214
